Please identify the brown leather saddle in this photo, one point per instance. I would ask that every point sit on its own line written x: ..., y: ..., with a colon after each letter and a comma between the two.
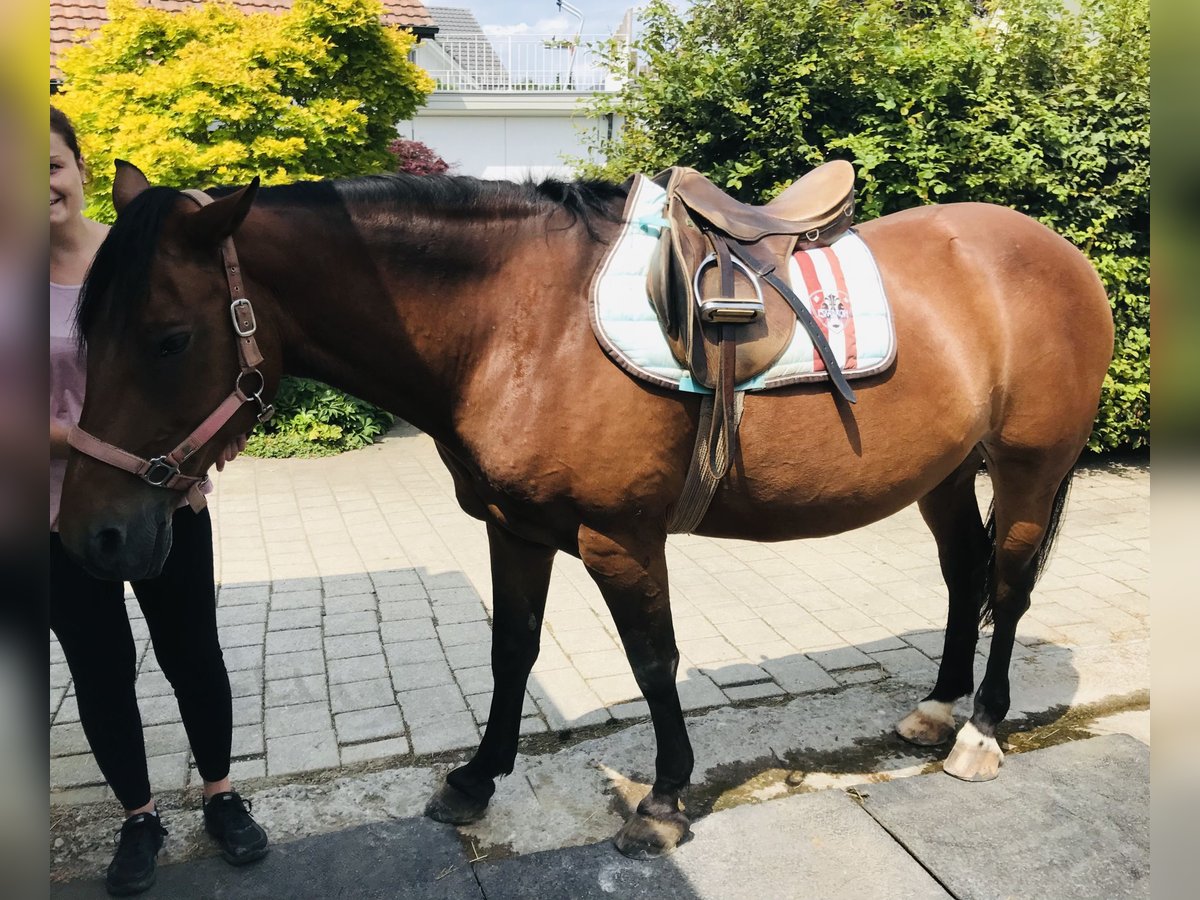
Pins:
x: 719, y: 281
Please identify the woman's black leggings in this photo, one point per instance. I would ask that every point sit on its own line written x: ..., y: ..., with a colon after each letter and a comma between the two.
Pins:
x: 88, y: 616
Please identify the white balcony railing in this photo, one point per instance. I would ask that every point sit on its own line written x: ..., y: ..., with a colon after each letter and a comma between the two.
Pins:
x: 517, y: 63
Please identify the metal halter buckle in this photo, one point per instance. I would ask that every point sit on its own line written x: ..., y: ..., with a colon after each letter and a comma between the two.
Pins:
x: 728, y: 310
x: 160, y: 472
x: 239, y: 304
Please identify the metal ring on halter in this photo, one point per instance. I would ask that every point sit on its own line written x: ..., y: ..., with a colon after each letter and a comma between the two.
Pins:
x: 250, y: 395
x: 265, y: 410
x: 160, y: 472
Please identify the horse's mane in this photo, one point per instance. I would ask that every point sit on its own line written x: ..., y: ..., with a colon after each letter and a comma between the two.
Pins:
x: 118, y: 279
x: 119, y: 276
x: 459, y: 195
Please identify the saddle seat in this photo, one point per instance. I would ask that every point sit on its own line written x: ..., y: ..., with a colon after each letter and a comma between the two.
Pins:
x: 808, y: 205
x: 690, y: 291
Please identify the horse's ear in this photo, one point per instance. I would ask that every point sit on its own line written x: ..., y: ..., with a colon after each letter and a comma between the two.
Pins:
x: 127, y: 184
x: 213, y: 223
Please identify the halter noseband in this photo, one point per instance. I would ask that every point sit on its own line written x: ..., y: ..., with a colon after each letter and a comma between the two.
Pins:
x: 163, y: 471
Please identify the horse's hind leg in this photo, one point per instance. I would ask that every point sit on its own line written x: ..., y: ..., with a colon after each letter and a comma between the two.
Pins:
x: 1029, y: 496
x: 631, y: 572
x: 952, y: 514
x: 520, y: 582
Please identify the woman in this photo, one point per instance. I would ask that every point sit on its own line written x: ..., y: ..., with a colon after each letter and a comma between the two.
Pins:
x: 88, y: 614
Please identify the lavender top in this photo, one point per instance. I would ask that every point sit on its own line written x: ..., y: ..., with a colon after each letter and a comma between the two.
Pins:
x: 67, y: 373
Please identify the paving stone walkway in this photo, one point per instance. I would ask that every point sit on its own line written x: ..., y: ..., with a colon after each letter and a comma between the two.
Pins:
x: 355, y: 599
x: 1071, y: 822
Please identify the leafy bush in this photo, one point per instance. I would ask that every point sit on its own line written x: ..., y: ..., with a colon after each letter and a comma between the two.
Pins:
x: 416, y: 158
x: 211, y: 95
x: 313, y: 419
x: 1016, y: 102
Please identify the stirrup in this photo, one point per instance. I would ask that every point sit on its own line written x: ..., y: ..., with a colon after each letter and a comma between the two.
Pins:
x: 729, y: 310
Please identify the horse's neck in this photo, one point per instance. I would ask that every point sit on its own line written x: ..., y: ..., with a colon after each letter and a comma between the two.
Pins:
x: 401, y: 319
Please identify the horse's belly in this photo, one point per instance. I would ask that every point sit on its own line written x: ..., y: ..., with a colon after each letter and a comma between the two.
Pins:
x: 815, y: 474
x: 787, y: 518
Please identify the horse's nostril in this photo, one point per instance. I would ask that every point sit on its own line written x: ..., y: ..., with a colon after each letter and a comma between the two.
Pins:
x: 108, y: 542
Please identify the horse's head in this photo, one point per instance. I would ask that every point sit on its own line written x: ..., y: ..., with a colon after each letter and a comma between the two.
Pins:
x: 163, y: 353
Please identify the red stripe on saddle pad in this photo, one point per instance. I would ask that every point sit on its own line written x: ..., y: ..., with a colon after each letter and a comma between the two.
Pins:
x: 839, y: 277
x: 812, y: 285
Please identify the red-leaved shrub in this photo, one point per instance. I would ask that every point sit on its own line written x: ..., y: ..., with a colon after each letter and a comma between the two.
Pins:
x: 415, y: 158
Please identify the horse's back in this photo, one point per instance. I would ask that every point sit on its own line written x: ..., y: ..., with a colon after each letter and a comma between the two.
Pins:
x: 997, y: 260
x: 1022, y: 301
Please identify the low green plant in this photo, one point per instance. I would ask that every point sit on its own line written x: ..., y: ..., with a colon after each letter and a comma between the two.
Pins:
x: 313, y: 419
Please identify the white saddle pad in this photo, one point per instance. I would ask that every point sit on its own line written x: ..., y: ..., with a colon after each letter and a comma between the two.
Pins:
x: 839, y: 284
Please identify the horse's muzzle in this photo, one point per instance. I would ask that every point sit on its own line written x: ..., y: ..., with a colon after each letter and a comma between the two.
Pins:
x: 123, y: 550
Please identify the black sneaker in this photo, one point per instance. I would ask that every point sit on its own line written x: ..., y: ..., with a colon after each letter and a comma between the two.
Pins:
x: 133, y: 867
x: 227, y: 818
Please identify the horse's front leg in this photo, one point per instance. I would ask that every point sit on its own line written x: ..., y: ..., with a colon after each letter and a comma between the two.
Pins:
x: 520, y: 581
x: 631, y: 571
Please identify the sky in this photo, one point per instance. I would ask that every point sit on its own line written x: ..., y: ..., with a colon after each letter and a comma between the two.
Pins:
x: 542, y: 16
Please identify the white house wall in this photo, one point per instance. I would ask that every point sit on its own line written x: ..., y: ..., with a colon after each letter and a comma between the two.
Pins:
x: 507, y: 135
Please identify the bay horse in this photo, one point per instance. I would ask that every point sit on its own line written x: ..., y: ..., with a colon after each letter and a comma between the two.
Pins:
x: 462, y: 306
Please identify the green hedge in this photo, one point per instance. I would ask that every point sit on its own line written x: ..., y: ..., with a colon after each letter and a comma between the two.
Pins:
x: 1017, y: 102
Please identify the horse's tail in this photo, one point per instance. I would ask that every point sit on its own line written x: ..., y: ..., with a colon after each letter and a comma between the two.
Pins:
x: 1039, y: 559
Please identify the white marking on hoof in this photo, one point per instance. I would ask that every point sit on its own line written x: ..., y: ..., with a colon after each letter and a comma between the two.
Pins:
x: 975, y: 756
x: 930, y: 724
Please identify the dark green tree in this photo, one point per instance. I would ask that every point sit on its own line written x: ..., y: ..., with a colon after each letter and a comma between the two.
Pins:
x: 1016, y: 102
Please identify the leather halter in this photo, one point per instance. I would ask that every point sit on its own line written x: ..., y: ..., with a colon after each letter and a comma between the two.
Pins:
x: 163, y: 471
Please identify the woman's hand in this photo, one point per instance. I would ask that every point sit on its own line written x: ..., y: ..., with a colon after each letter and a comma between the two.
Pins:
x: 230, y: 451
x: 59, y: 448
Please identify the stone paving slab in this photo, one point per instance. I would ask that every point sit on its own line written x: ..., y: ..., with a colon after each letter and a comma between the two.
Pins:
x: 820, y: 845
x: 1065, y: 822
x: 1070, y: 822
x: 355, y: 584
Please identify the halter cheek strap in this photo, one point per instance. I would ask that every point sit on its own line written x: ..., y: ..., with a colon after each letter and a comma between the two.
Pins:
x: 163, y: 471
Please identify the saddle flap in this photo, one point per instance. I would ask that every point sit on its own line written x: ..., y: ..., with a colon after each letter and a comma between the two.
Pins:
x: 685, y: 290
x: 676, y: 271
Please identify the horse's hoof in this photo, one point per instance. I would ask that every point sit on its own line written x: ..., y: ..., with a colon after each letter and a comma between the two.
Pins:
x: 975, y: 756
x: 930, y: 724
x: 649, y: 837
x: 452, y: 806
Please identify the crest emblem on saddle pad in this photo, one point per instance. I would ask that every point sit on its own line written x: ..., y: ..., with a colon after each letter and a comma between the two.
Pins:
x: 831, y: 308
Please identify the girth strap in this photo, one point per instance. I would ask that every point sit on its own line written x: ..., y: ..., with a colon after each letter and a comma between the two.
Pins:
x: 723, y: 429
x: 700, y: 485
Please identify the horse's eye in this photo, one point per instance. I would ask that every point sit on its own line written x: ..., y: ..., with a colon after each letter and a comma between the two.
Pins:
x: 174, y: 344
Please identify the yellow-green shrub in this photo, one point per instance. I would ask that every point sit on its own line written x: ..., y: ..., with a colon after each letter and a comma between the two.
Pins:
x: 213, y: 96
